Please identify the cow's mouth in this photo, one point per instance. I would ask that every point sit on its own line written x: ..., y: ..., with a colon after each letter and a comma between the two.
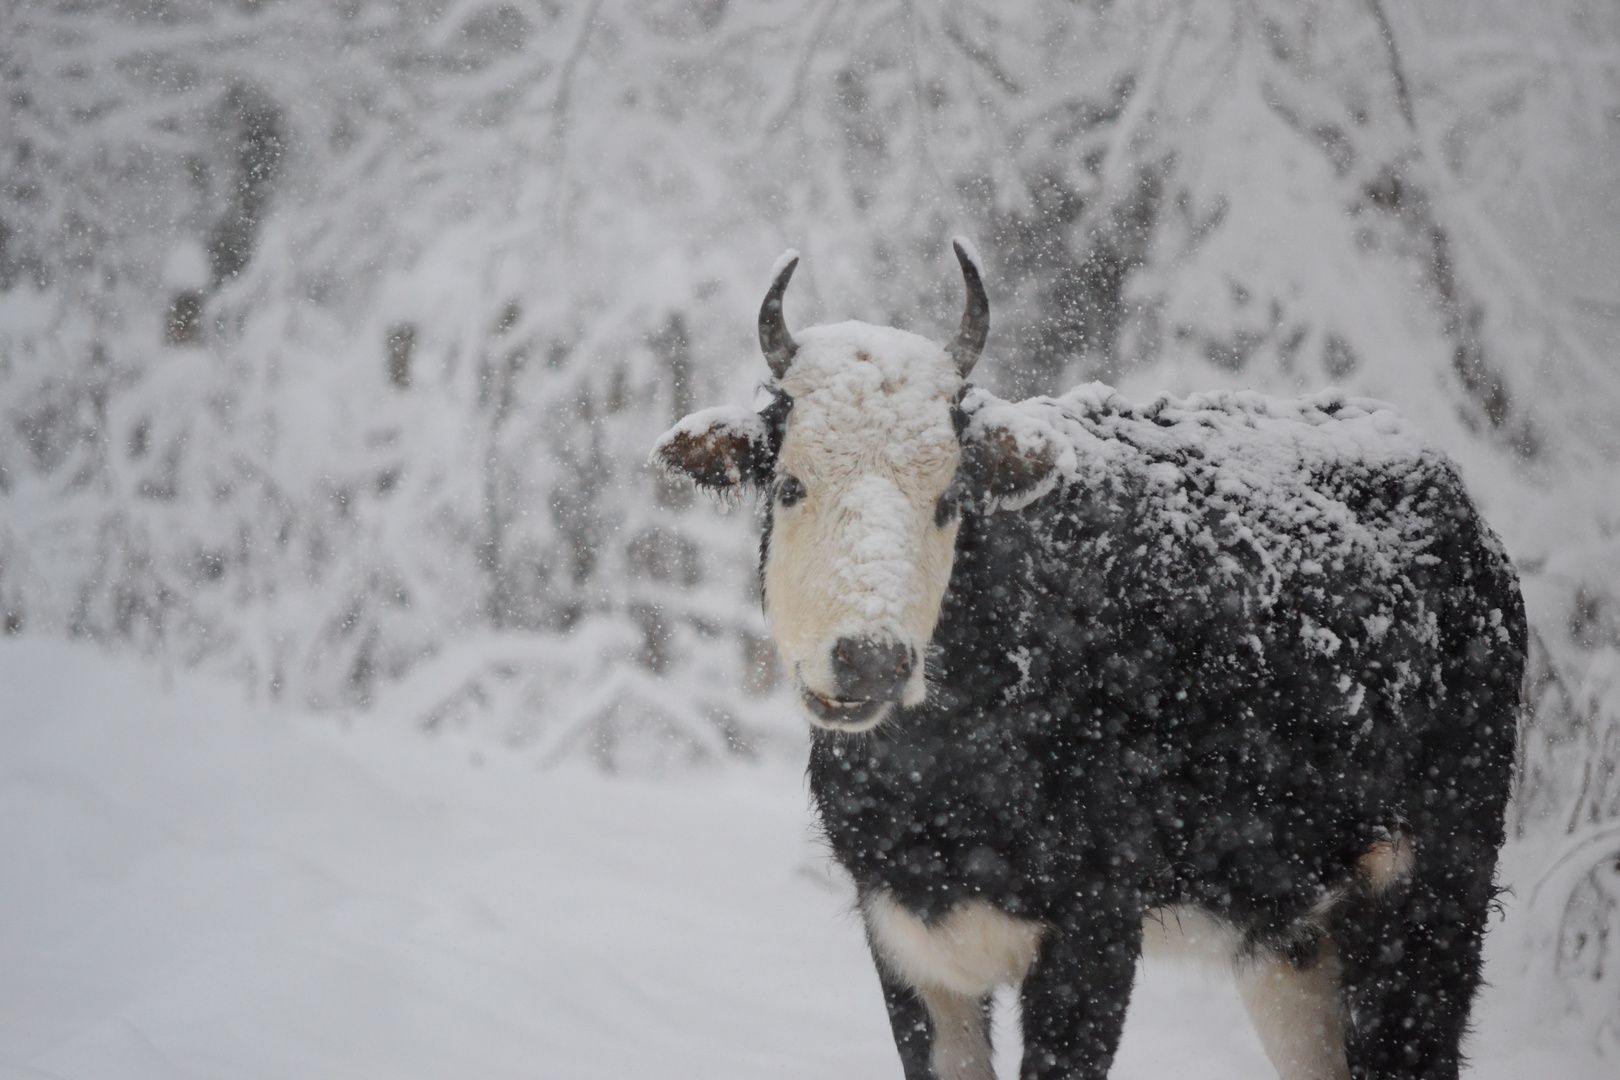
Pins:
x: 841, y: 715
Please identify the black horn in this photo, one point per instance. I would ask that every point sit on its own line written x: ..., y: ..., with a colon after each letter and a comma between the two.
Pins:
x: 969, y: 341
x: 774, y: 338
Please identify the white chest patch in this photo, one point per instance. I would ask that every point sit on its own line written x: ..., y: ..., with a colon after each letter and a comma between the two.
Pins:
x: 973, y: 950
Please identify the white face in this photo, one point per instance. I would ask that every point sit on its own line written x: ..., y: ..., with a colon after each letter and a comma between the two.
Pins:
x: 858, y: 559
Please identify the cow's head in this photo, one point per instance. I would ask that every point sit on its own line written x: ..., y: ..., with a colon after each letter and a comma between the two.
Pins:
x: 869, y: 459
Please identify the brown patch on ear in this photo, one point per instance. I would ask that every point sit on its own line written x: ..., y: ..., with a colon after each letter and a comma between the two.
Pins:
x: 1010, y: 455
x: 715, y: 459
x: 1005, y: 470
x: 717, y: 449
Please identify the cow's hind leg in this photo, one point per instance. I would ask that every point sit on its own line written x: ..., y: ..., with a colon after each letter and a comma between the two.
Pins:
x: 1298, y: 1012
x: 1411, y: 956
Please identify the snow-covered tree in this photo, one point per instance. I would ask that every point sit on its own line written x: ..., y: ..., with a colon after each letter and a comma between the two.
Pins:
x: 326, y: 348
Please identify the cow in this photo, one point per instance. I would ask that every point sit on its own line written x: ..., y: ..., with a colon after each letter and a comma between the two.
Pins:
x: 1089, y: 679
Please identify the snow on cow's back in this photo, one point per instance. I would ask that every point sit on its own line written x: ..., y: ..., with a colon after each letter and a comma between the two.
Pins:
x: 1303, y: 484
x: 1244, y: 432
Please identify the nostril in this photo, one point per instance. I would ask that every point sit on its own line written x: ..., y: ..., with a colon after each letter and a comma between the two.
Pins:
x: 870, y: 670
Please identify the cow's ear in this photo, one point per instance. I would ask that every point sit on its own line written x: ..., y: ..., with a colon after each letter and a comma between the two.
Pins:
x: 721, y: 450
x: 1009, y: 458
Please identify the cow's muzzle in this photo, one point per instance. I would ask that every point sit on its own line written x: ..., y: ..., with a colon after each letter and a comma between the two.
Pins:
x: 869, y: 676
x: 868, y: 670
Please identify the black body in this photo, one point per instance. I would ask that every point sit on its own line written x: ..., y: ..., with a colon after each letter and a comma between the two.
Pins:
x: 1147, y: 690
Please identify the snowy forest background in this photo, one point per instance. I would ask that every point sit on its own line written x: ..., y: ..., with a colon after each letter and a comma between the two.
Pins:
x: 334, y: 335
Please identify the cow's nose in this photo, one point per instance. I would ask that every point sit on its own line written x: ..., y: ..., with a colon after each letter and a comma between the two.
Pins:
x: 868, y: 670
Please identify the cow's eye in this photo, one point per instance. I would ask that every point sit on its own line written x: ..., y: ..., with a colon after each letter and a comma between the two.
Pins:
x: 946, y: 509
x: 790, y: 490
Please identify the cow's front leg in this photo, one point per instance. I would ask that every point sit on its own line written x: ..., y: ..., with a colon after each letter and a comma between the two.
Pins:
x: 909, y: 1018
x: 1074, y: 997
x: 941, y: 1035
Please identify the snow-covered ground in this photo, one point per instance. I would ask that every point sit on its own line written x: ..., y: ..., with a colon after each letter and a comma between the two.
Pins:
x: 192, y: 886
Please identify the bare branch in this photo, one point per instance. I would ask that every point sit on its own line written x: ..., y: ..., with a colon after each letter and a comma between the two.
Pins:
x: 778, y: 113
x: 564, y: 84
x: 1397, y: 71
